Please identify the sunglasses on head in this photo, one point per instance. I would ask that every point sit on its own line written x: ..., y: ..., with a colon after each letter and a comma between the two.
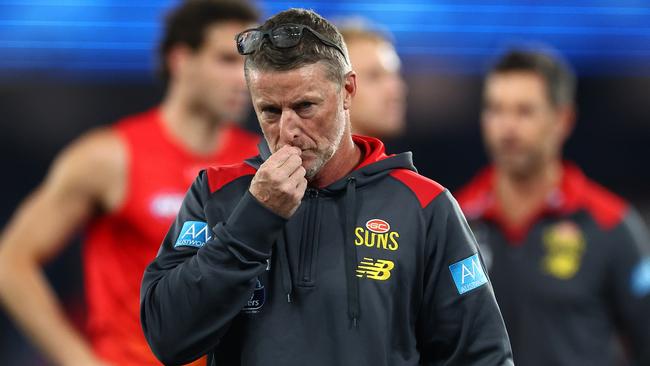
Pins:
x: 282, y: 36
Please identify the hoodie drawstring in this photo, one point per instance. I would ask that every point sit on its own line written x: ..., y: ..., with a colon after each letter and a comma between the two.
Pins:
x: 350, y: 256
x: 350, y: 253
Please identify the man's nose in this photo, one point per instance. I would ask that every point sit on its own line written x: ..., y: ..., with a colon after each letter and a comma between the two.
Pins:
x: 289, y: 126
x: 504, y: 119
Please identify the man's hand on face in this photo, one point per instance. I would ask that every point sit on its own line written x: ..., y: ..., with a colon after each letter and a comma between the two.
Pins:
x: 280, y: 182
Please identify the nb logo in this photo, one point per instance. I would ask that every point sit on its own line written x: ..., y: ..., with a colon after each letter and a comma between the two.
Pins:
x: 193, y: 234
x: 375, y: 270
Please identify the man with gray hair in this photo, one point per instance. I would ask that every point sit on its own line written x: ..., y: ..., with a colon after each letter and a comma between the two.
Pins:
x: 322, y: 250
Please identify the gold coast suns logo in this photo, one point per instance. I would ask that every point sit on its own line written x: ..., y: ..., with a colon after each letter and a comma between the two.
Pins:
x: 565, y: 245
x: 376, y: 234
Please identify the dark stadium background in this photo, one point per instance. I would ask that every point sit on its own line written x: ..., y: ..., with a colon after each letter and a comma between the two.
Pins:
x: 69, y: 65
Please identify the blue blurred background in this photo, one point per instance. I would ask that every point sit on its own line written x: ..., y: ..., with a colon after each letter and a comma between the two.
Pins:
x: 69, y: 65
x: 107, y: 39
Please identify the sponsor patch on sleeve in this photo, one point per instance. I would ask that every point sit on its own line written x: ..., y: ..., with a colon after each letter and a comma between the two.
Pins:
x: 468, y: 274
x: 641, y: 278
x: 193, y: 234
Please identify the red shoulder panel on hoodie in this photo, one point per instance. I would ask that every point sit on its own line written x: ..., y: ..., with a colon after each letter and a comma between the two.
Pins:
x: 219, y: 176
x: 424, y: 188
x: 607, y: 209
x: 474, y: 197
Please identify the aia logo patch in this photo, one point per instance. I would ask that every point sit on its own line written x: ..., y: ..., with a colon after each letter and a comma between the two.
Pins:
x: 378, y: 226
x: 468, y: 274
x: 193, y: 234
x: 375, y: 269
x: 641, y: 278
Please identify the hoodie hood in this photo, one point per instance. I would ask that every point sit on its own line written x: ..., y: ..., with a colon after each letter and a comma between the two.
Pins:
x: 375, y: 163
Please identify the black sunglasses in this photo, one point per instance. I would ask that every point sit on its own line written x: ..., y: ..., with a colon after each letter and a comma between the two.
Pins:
x: 282, y: 36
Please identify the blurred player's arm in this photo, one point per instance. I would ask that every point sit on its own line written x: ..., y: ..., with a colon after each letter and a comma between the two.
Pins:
x: 87, y: 176
x: 630, y: 280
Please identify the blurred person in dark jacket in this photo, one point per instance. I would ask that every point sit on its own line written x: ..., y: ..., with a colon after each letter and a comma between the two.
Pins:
x: 380, y: 103
x: 123, y: 185
x: 568, y: 259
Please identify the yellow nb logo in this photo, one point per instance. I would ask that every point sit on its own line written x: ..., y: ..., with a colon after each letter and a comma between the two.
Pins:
x: 376, y: 270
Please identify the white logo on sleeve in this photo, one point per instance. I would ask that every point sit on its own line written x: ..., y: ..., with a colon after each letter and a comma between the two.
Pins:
x: 468, y: 274
x: 193, y: 234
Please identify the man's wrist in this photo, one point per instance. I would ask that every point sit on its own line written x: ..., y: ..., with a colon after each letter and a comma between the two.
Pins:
x: 254, y: 224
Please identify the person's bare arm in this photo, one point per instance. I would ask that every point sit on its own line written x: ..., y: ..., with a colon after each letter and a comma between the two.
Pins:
x: 87, y: 176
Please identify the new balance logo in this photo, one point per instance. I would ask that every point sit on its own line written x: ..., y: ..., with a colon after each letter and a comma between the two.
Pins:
x: 375, y: 270
x: 193, y: 234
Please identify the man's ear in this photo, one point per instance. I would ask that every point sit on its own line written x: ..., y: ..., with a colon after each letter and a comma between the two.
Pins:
x: 178, y: 59
x: 567, y: 117
x: 349, y: 88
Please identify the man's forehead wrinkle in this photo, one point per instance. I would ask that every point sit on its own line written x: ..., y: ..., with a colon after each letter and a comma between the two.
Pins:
x: 273, y: 90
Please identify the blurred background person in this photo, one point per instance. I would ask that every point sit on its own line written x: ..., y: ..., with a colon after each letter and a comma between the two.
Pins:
x: 380, y: 103
x: 126, y: 183
x: 569, y: 260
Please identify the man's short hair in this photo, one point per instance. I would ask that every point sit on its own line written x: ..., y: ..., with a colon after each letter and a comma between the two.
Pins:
x: 310, y: 50
x: 187, y: 24
x: 558, y: 77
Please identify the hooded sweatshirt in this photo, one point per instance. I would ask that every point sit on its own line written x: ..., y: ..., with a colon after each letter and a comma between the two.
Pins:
x: 378, y: 268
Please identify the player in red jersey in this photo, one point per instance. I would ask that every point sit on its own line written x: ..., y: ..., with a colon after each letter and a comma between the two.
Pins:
x: 126, y: 183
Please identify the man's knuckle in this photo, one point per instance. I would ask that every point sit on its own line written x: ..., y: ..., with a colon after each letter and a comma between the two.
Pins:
x: 262, y: 173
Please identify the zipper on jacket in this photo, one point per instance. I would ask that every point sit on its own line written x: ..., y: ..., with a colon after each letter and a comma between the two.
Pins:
x: 309, y: 244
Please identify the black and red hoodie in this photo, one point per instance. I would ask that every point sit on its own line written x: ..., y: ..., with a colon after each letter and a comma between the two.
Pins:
x: 572, y: 278
x: 378, y: 268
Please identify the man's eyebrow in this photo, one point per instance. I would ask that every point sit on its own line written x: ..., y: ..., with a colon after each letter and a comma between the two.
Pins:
x: 307, y: 99
x: 266, y: 105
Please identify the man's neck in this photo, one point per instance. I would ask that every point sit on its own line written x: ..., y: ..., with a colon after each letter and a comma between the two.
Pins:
x: 521, y: 197
x: 196, y: 131
x: 345, y: 159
